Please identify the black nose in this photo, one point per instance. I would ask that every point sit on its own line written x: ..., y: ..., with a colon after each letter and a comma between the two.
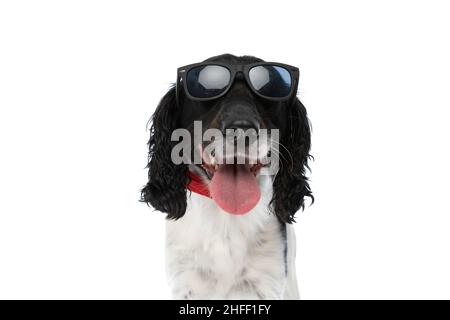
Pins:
x: 243, y: 124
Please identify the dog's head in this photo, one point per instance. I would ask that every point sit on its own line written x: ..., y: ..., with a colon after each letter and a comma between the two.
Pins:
x: 240, y: 108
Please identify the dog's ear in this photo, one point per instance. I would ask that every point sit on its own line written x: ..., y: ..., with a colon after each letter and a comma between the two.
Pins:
x: 166, y: 187
x: 291, y: 185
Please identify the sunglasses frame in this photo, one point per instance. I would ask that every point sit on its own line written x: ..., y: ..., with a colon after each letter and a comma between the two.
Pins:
x: 234, y: 69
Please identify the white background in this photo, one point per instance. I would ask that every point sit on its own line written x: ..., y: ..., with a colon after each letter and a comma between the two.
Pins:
x: 80, y: 79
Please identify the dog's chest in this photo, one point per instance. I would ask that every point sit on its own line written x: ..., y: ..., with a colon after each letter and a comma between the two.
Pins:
x: 212, y: 254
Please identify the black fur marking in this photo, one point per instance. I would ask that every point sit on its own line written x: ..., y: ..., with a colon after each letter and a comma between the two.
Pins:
x: 285, y: 248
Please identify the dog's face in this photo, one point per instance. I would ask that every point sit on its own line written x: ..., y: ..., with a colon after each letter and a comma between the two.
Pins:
x: 239, y: 109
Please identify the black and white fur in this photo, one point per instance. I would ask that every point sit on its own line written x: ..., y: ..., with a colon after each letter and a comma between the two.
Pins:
x: 212, y: 254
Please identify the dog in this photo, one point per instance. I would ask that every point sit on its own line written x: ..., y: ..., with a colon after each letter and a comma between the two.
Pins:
x: 229, y: 227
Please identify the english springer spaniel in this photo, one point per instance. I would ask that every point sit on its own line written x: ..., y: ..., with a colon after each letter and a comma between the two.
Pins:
x: 229, y: 232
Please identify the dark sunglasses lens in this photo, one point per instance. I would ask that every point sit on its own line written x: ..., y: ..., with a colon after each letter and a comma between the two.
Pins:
x: 271, y: 81
x: 207, y: 81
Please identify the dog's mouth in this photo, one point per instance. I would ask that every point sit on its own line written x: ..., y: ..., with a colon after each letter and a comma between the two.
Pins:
x: 210, y: 168
x: 234, y: 187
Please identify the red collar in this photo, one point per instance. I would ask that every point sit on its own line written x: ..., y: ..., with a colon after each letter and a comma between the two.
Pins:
x: 197, y: 185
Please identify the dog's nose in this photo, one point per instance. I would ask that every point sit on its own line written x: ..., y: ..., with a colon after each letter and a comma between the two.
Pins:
x: 243, y: 124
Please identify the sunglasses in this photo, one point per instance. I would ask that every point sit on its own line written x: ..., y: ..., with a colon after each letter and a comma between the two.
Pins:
x: 207, y: 81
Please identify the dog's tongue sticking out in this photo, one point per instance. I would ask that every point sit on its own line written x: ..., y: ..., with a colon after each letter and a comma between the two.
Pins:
x: 234, y: 188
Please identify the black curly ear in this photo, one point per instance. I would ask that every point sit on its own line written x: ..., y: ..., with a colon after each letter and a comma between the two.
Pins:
x: 166, y: 187
x: 291, y: 185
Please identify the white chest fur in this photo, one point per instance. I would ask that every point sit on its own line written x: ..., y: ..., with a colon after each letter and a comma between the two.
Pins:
x: 211, y: 254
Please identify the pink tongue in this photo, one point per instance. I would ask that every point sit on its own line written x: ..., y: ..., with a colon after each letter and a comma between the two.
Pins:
x: 235, y: 189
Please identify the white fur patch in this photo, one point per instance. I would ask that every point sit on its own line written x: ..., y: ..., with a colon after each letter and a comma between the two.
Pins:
x: 211, y: 254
